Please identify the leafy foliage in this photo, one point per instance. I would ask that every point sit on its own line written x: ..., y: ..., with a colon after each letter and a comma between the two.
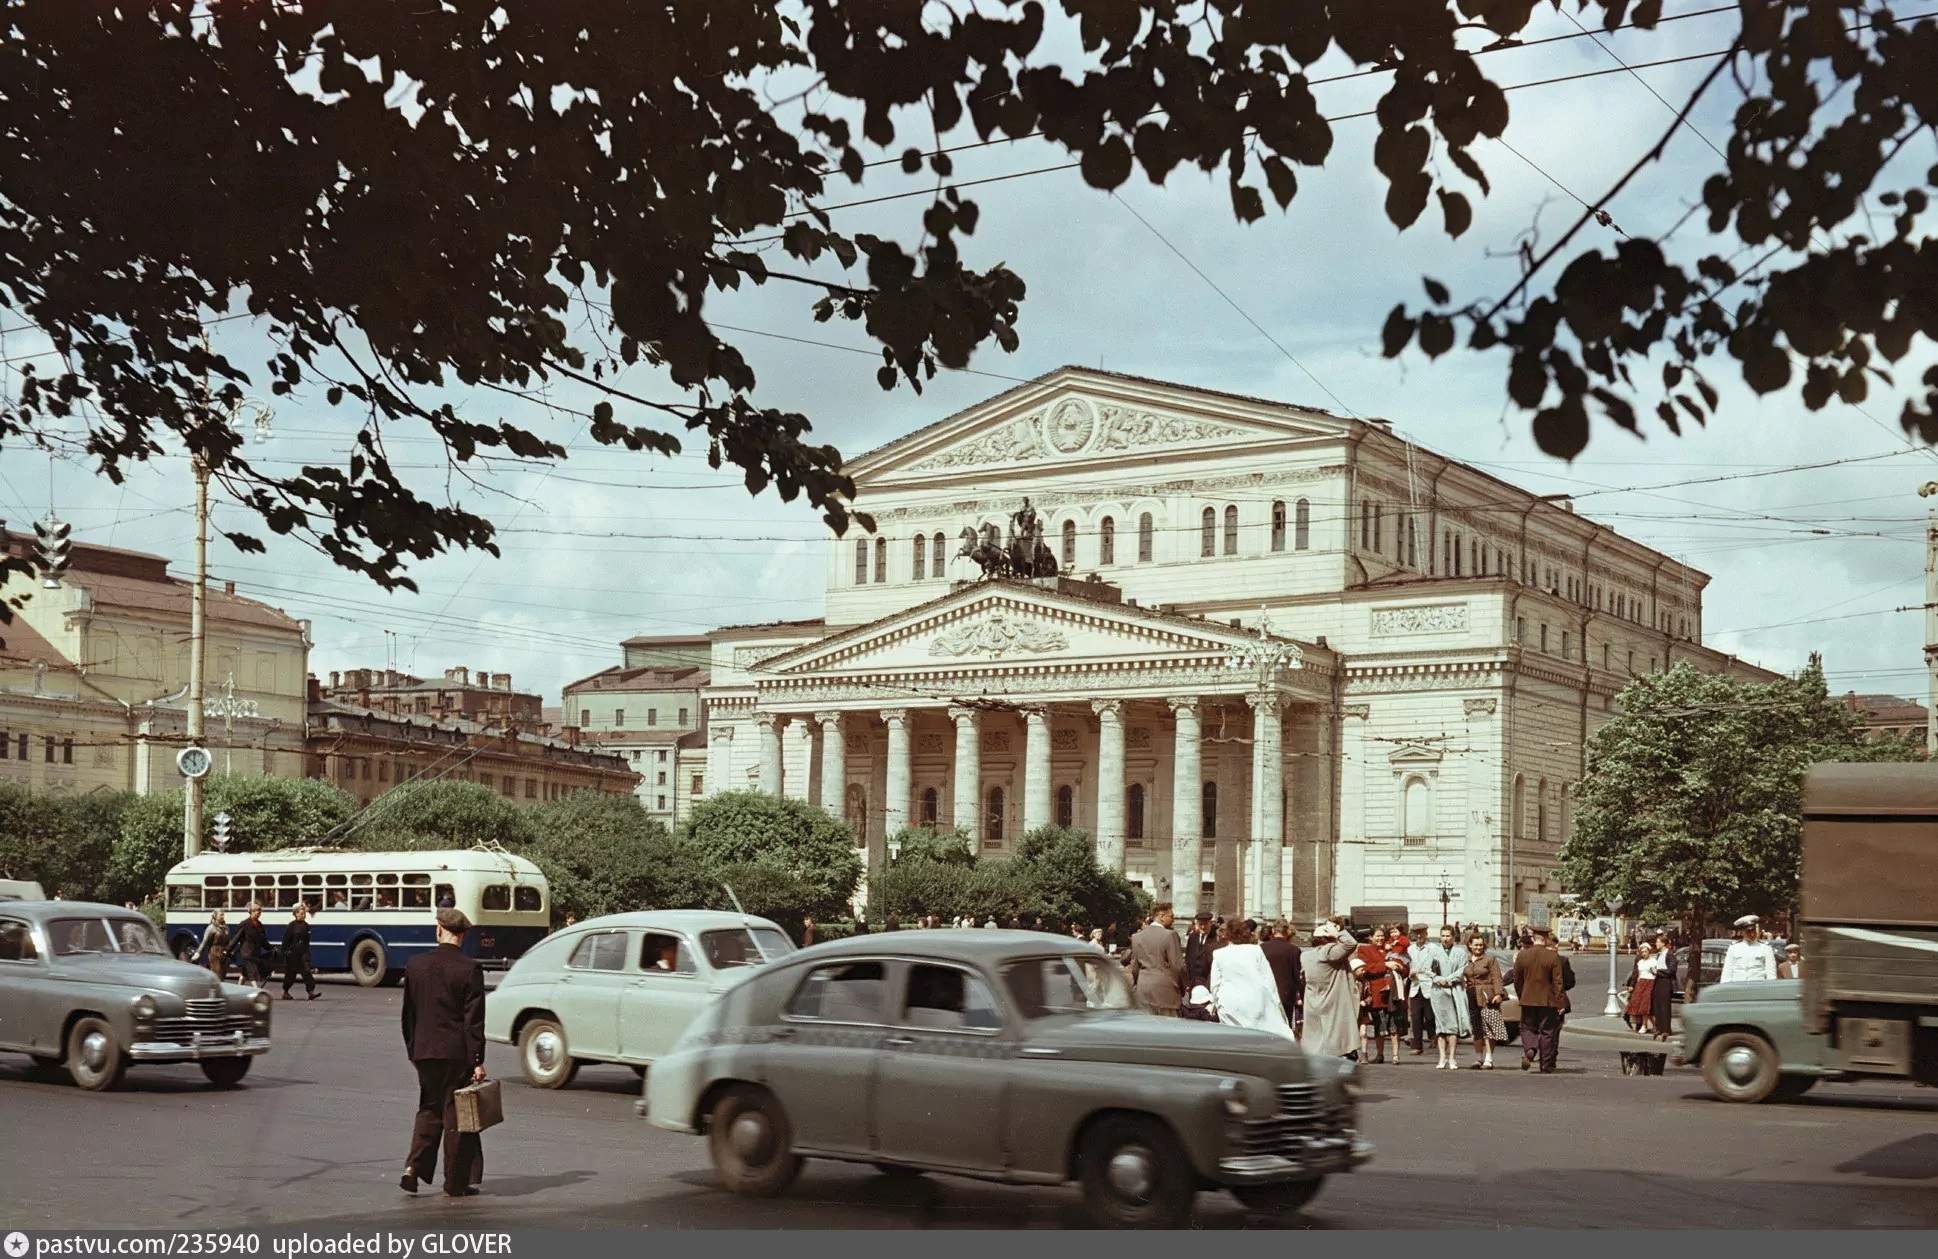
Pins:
x: 605, y: 854
x: 791, y: 851
x: 320, y: 135
x: 267, y: 814
x: 439, y: 814
x: 1053, y: 875
x: 1693, y: 801
x: 64, y: 843
x: 953, y: 846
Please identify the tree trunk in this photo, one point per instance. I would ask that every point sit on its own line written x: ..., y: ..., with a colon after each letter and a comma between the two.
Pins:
x: 1693, y: 927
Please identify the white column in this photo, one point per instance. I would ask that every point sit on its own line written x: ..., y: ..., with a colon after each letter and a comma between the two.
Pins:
x: 770, y: 752
x: 1268, y: 733
x: 1036, y: 769
x: 719, y: 758
x: 968, y: 784
x: 1349, y: 872
x: 797, y: 761
x: 834, y: 764
x: 895, y: 802
x: 1187, y: 809
x: 1110, y: 783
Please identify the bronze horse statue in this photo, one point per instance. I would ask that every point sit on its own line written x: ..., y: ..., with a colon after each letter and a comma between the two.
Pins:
x: 1027, y: 555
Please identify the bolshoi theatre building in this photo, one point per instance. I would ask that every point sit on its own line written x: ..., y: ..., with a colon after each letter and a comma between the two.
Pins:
x: 1288, y: 662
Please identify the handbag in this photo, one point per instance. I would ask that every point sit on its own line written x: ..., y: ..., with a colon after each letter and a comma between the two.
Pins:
x: 480, y: 1106
x: 1493, y: 1025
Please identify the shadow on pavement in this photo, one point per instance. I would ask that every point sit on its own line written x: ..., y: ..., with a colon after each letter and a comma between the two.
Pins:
x: 1914, y: 1158
x: 1826, y: 1097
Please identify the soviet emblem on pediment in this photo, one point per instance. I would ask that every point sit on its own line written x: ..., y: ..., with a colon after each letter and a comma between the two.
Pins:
x: 1073, y: 426
x: 996, y: 636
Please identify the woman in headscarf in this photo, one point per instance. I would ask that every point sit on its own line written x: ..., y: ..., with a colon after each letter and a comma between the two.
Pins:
x: 1486, y: 989
x: 215, y: 944
x: 1442, y: 971
x: 1243, y: 990
x: 1331, y: 993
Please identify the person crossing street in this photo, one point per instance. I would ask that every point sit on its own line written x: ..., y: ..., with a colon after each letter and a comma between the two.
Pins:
x: 443, y: 1018
x: 296, y: 952
x: 1538, y: 979
x: 251, y: 946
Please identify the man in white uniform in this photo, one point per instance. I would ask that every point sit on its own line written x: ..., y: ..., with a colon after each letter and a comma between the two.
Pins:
x: 1749, y: 958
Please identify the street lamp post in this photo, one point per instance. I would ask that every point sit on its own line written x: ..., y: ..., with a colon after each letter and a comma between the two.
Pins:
x: 1614, y: 1005
x: 1446, y: 894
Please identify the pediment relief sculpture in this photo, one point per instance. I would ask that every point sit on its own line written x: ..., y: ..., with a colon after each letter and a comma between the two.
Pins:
x: 1073, y: 426
x: 996, y: 635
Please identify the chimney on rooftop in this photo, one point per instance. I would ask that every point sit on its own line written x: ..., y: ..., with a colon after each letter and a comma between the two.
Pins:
x: 228, y: 587
x: 501, y: 681
x: 336, y: 679
x: 459, y: 674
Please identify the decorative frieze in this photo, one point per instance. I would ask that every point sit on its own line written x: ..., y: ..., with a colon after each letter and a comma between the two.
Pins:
x: 1064, y: 739
x: 1361, y: 711
x: 746, y: 657
x: 1480, y: 707
x: 996, y: 634
x: 931, y: 743
x: 1138, y: 738
x: 1072, y: 427
x: 1423, y: 618
x: 995, y: 741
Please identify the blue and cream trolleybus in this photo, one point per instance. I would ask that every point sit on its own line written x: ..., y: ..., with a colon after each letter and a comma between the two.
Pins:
x: 370, y: 912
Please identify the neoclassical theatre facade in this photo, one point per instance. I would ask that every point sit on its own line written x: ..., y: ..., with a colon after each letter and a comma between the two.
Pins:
x: 1291, y: 662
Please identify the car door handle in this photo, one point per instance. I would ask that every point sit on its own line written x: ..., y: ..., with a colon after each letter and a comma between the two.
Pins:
x: 1038, y: 1052
x: 899, y: 1042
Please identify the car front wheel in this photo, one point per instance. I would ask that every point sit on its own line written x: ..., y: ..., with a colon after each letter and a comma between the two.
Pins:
x: 1287, y: 1198
x: 1740, y: 1067
x: 225, y: 1073
x: 752, y: 1142
x: 94, y: 1056
x: 545, y: 1055
x: 1134, y: 1175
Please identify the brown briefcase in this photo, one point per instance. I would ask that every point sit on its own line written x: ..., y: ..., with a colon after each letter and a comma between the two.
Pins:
x: 480, y: 1106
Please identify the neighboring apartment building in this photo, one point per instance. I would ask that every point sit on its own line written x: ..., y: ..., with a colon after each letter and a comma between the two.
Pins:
x: 649, y: 714
x: 367, y: 751
x: 94, y: 674
x: 1889, y: 716
x: 482, y: 696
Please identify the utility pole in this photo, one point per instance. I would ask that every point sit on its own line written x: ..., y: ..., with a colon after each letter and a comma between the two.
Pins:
x: 197, y: 648
x: 1926, y: 490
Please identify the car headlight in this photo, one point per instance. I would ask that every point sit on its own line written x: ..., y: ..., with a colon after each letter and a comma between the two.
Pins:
x: 260, y: 1001
x: 1232, y: 1093
x: 145, y: 1008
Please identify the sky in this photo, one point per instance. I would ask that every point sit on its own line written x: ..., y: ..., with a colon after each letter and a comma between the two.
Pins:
x: 1157, y: 281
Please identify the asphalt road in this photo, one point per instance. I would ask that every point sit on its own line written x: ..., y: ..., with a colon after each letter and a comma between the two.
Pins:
x: 316, y: 1137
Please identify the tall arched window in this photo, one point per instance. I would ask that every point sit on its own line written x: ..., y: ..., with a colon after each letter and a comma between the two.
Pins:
x: 1231, y: 531
x: 1134, y: 811
x: 938, y: 555
x: 861, y: 561
x: 1518, y: 809
x: 1107, y: 541
x: 1144, y: 531
x: 856, y: 813
x: 1541, y: 811
x: 921, y: 557
x: 1379, y: 518
x: 1069, y: 543
x: 931, y: 806
x: 1208, y: 800
x: 1301, y: 525
x: 881, y: 559
x: 1066, y: 806
x: 1208, y: 533
x: 992, y: 821
x: 1414, y: 808
x: 1278, y: 526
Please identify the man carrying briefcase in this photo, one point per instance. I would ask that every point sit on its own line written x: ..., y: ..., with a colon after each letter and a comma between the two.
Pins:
x: 443, y: 1012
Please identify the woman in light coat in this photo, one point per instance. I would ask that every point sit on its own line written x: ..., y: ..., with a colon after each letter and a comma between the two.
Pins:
x: 1442, y: 971
x: 215, y: 944
x: 1243, y: 989
x: 1331, y: 992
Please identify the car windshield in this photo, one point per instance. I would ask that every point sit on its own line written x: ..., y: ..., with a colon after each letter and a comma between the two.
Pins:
x: 1042, y: 986
x: 102, y: 935
x: 742, y: 946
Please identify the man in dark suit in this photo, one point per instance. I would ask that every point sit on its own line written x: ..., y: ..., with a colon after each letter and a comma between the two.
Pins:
x: 296, y: 952
x: 1157, y: 965
x: 251, y: 946
x: 1287, y: 975
x: 1197, y: 953
x: 1541, y: 986
x: 444, y: 1002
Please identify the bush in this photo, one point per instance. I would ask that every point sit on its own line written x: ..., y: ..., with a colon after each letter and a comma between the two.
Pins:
x: 779, y: 848
x: 420, y: 816
x: 953, y: 846
x: 605, y: 854
x: 266, y: 814
x: 1054, y: 875
x: 64, y: 843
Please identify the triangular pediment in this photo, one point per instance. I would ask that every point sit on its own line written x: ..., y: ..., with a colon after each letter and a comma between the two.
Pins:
x: 1074, y: 416
x: 1007, y: 624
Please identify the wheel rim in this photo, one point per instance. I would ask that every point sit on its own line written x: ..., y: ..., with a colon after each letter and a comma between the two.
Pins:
x: 547, y: 1051
x: 94, y: 1051
x: 1131, y: 1173
x: 751, y: 1137
x: 1741, y: 1065
x: 366, y: 964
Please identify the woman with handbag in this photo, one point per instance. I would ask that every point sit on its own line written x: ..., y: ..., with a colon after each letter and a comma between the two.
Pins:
x: 1486, y: 989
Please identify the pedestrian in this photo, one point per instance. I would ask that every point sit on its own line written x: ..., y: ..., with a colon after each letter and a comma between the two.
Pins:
x: 807, y: 930
x: 990, y: 924
x: 443, y: 1019
x: 570, y: 917
x: 1375, y: 997
x: 1399, y: 961
x: 251, y: 946
x: 296, y: 952
x: 1157, y: 965
x: 1748, y: 959
x: 1197, y: 952
x: 1331, y: 993
x: 1662, y: 996
x: 1419, y: 1006
x: 1244, y: 991
x: 1113, y: 943
x: 1282, y: 955
x: 1638, y: 1006
x: 1791, y: 967
x: 215, y: 944
x: 1486, y: 989
x: 1442, y: 971
x: 1538, y: 979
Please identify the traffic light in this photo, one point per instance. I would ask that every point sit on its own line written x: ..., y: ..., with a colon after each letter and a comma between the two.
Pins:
x: 221, y: 831
x: 53, y: 548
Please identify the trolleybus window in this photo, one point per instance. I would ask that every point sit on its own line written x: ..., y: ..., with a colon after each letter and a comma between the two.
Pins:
x: 496, y: 896
x: 417, y: 891
x: 185, y: 896
x: 360, y: 897
x: 528, y: 899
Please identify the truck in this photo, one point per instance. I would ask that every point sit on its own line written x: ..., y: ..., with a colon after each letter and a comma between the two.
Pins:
x: 1866, y: 1006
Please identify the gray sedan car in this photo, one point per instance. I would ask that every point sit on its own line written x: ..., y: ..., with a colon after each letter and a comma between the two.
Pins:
x: 91, y: 988
x: 1001, y: 1055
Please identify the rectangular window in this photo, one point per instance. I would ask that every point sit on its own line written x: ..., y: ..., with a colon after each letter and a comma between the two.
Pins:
x: 1605, y: 655
x: 6, y: 743
x: 684, y: 716
x: 21, y: 745
x: 602, y: 950
x: 383, y: 771
x: 652, y: 716
x: 618, y: 719
x: 697, y: 781
x: 662, y: 779
x: 363, y: 769
x: 1631, y: 664
x: 585, y: 720
x: 660, y: 756
x: 1521, y: 630
x: 527, y: 900
x: 861, y: 561
x: 484, y: 780
x: 1544, y: 638
x: 1564, y: 645
x: 497, y: 896
x: 1651, y: 664
x: 662, y: 804
x: 850, y: 992
x: 1378, y: 521
x: 531, y: 788
x: 67, y: 751
x: 50, y: 748
x: 1365, y: 526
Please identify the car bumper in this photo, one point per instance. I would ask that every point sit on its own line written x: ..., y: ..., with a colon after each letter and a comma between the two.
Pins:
x: 1316, y: 1156
x: 236, y: 1046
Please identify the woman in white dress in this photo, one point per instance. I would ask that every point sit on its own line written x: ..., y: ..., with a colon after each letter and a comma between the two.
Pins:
x: 1243, y: 991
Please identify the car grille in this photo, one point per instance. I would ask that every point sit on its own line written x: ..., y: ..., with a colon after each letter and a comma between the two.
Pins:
x: 206, y: 1016
x: 1304, y: 1118
x: 207, y: 1007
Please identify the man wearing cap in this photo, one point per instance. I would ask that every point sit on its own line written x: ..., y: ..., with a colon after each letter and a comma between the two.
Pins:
x: 1540, y: 985
x: 1749, y: 958
x: 1197, y: 952
x: 443, y: 1012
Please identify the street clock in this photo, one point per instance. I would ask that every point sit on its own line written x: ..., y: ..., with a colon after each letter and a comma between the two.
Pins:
x: 194, y: 762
